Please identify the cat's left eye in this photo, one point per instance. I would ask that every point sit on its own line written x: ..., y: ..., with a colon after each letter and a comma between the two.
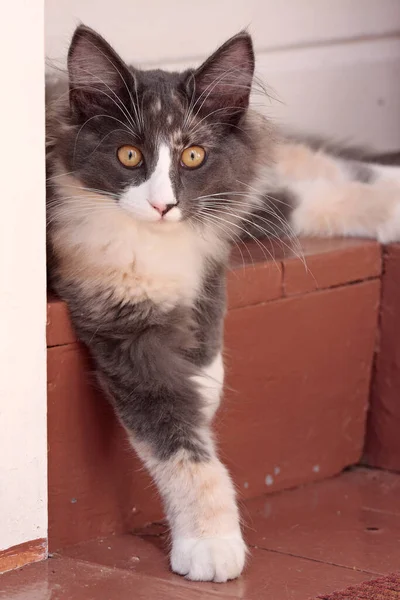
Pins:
x: 130, y: 156
x: 193, y: 157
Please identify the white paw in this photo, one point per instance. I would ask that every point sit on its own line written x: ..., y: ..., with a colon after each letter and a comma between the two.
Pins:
x: 209, y: 559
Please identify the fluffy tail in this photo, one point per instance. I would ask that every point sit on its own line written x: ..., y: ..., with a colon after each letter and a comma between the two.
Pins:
x: 335, y: 196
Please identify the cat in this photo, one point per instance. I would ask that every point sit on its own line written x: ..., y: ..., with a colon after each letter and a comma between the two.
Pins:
x: 152, y: 177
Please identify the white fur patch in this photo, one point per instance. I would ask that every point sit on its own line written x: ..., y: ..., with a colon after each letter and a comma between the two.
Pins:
x: 199, y: 499
x: 211, y: 382
x: 210, y: 559
x: 330, y: 203
x: 387, y: 173
x: 350, y: 209
x: 156, y: 106
x: 104, y: 246
x: 155, y: 193
x: 174, y: 215
x: 390, y: 231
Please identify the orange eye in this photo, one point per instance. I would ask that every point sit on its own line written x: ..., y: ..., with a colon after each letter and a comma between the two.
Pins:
x: 193, y: 157
x: 130, y: 156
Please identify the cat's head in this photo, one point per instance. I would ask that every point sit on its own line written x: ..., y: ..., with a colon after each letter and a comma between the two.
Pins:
x: 164, y: 147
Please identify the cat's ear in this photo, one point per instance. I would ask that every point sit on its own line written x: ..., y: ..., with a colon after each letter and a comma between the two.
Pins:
x: 223, y: 82
x: 97, y: 75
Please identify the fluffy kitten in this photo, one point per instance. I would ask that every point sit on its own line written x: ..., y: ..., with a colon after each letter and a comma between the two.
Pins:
x: 152, y: 177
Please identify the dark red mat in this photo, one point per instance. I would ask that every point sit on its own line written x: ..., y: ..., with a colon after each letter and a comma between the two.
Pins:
x: 385, y: 588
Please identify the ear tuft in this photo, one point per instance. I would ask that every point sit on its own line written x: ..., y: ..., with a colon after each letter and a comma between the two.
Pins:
x: 96, y: 72
x: 223, y: 82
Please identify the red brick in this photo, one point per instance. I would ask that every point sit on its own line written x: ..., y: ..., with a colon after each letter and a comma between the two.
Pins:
x: 383, y: 439
x: 298, y: 373
x: 330, y: 263
x: 96, y: 484
x: 59, y: 329
x: 254, y: 284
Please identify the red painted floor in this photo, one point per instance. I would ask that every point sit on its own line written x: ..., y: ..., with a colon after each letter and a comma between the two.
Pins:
x: 306, y: 542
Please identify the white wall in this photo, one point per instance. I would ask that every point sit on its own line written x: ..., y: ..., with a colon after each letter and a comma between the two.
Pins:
x: 333, y: 64
x: 23, y: 440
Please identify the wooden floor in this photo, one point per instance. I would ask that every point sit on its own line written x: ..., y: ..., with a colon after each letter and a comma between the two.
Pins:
x: 309, y: 541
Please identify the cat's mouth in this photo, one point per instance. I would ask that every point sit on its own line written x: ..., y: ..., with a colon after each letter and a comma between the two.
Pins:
x: 166, y: 213
x: 166, y: 217
x: 153, y: 217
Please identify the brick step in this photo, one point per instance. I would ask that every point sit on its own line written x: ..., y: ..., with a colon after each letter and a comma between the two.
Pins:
x: 383, y: 439
x: 299, y: 349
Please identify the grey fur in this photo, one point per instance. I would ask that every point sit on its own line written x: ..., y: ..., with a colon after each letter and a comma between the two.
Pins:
x: 272, y: 217
x: 146, y: 358
x: 361, y: 172
x: 87, y: 137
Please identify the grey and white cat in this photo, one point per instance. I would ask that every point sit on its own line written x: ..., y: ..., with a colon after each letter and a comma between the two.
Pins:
x: 152, y: 177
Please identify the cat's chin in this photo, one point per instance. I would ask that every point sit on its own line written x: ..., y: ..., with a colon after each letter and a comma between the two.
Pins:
x: 160, y: 225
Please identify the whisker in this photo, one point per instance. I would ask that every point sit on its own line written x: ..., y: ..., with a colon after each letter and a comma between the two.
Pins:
x: 100, y: 91
x: 120, y: 105
x: 285, y: 229
x: 94, y: 190
x: 277, y: 200
x: 270, y: 233
x: 102, y: 140
x: 59, y: 175
x: 210, y: 88
x: 258, y: 242
x: 141, y: 116
x: 190, y: 105
x: 96, y: 117
x: 265, y: 194
x: 207, y: 219
x: 261, y: 246
x: 244, y: 194
x: 193, y: 130
x: 115, y: 68
x: 251, y: 208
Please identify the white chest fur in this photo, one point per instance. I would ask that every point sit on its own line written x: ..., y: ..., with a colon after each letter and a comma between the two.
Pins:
x: 163, y: 266
x: 136, y: 261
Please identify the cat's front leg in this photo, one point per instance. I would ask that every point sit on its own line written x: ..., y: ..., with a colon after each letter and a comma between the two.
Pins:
x: 166, y: 404
x: 199, y: 499
x: 199, y: 496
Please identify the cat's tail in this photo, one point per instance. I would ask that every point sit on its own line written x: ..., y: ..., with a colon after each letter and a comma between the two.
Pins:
x: 337, y: 196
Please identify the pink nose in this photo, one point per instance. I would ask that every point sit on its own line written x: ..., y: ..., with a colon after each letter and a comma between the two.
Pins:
x: 159, y: 206
x: 162, y: 208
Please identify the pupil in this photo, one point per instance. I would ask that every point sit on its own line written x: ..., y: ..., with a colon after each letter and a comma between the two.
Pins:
x: 192, y: 155
x: 130, y: 154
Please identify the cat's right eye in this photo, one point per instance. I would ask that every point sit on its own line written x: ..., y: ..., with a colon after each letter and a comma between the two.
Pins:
x: 130, y: 156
